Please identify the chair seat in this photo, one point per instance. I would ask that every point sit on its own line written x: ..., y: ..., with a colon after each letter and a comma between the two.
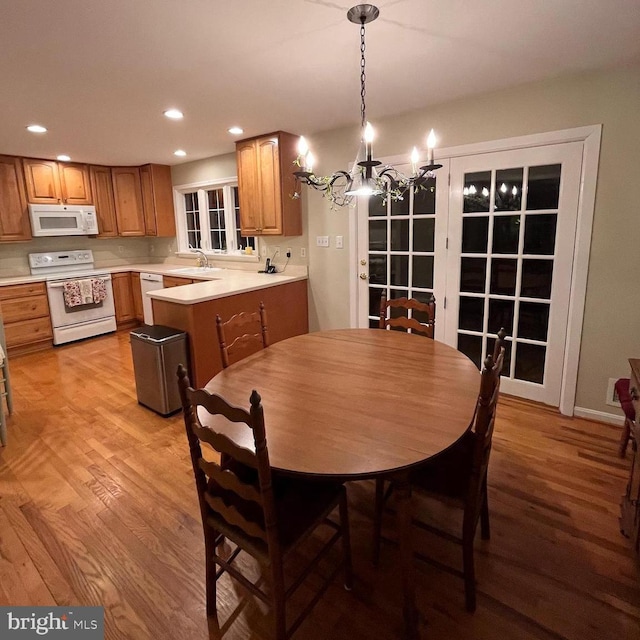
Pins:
x: 622, y: 389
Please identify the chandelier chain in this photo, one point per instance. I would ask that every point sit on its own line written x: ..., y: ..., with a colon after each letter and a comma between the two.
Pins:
x: 363, y: 108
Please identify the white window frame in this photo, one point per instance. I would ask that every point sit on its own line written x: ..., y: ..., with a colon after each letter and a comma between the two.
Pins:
x: 232, y: 252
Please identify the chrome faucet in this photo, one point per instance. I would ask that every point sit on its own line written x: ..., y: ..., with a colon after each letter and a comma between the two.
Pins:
x: 204, y: 257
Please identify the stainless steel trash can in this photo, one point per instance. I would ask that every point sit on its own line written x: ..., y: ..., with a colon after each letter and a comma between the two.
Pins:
x: 157, y: 351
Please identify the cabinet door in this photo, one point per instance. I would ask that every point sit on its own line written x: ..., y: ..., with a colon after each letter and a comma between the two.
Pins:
x: 157, y: 199
x: 173, y: 281
x: 123, y: 297
x: 148, y: 201
x: 75, y: 183
x: 127, y: 195
x: 269, y: 186
x: 137, y: 296
x: 14, y: 216
x: 247, y: 160
x: 43, y: 181
x: 102, y: 189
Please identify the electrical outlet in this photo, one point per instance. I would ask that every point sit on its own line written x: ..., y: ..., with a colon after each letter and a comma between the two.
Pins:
x: 339, y: 242
x: 263, y: 251
x: 288, y: 252
x: 303, y: 252
x: 612, y: 397
x: 120, y: 249
x: 322, y: 241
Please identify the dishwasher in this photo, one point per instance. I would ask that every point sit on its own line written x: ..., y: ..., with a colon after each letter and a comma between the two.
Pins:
x: 149, y: 282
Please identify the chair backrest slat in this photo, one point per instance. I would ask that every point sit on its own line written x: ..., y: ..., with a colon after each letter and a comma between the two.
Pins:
x: 406, y: 322
x: 242, y: 334
x: 223, y: 444
x: 233, y: 517
x: 230, y: 481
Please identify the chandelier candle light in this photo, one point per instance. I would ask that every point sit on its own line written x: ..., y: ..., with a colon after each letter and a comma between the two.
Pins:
x: 365, y: 177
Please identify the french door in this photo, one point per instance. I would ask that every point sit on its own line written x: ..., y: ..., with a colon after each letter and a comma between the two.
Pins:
x: 493, y: 238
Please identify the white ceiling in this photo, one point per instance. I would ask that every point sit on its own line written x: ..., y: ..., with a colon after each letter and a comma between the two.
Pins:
x: 99, y: 74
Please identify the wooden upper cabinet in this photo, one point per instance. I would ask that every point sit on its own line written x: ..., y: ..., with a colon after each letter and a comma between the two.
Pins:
x: 75, y: 183
x: 43, y: 181
x: 51, y: 182
x: 127, y: 194
x: 157, y: 200
x: 14, y: 215
x: 266, y: 185
x: 102, y: 189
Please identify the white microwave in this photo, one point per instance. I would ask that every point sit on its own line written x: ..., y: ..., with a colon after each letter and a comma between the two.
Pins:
x: 63, y: 220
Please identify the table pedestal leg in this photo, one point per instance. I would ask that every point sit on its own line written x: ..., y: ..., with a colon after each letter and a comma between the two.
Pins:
x: 405, y: 515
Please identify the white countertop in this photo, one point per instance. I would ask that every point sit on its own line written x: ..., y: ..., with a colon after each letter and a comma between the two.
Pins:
x: 212, y: 284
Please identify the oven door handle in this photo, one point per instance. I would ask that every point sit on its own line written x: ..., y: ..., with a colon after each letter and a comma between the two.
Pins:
x: 59, y: 285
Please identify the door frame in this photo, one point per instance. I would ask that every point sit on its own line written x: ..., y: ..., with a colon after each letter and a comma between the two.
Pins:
x: 590, y: 137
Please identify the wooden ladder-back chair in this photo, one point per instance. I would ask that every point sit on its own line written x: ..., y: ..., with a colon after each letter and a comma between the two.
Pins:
x: 458, y: 476
x: 242, y: 334
x: 425, y: 309
x: 264, y: 515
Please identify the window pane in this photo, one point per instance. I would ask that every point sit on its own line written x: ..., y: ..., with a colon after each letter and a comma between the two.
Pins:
x: 423, y: 234
x: 192, y: 220
x: 508, y: 190
x: 400, y: 207
x: 530, y: 362
x: 501, y: 315
x: 471, y: 313
x: 477, y: 187
x: 378, y: 235
x: 471, y: 346
x: 540, y: 234
x: 400, y: 235
x: 536, y: 278
x: 423, y: 272
x: 424, y: 199
x: 506, y: 233
x: 503, y: 276
x: 475, y: 235
x: 400, y: 270
x: 533, y: 322
x: 473, y: 275
x: 215, y: 203
x: 544, y: 187
x: 377, y: 269
x: 376, y: 206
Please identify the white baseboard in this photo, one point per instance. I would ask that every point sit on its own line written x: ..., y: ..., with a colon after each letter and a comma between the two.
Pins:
x: 600, y: 416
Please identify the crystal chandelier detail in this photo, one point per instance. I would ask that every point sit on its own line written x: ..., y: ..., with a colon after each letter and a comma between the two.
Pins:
x: 367, y: 176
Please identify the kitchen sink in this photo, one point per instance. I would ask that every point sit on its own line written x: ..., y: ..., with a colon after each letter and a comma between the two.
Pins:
x: 195, y: 271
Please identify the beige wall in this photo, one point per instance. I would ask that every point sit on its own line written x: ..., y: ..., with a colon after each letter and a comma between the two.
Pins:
x: 611, y: 331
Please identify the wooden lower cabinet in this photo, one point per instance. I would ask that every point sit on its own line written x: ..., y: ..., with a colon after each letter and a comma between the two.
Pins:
x: 123, y: 299
x: 136, y: 291
x: 173, y: 281
x: 25, y: 314
x: 287, y: 316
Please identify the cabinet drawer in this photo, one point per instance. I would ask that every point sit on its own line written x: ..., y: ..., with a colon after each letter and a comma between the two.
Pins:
x: 28, y: 331
x: 25, y: 308
x: 22, y: 290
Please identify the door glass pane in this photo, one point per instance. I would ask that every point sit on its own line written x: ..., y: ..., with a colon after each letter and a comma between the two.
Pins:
x: 533, y: 321
x: 424, y: 199
x: 544, y: 187
x: 536, y: 278
x: 471, y: 346
x: 400, y: 207
x: 422, y: 272
x: 377, y: 269
x: 475, y: 235
x: 540, y: 234
x: 501, y: 315
x: 477, y: 187
x: 473, y: 275
x: 423, y: 234
x: 400, y: 235
x: 400, y: 270
x: 377, y: 207
x: 530, y: 362
x: 471, y: 313
x: 377, y: 235
x: 503, y: 276
x: 374, y: 301
x: 508, y: 190
x: 506, y: 233
x: 421, y: 297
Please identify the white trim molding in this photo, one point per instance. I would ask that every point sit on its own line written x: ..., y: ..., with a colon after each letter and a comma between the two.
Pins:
x: 598, y: 416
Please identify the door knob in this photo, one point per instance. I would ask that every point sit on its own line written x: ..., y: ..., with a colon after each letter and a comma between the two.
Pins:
x: 363, y: 276
x: 363, y: 262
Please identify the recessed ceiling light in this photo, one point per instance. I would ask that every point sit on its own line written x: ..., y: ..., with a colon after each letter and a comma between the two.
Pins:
x: 236, y: 131
x: 64, y: 158
x: 36, y: 128
x: 174, y: 114
x: 180, y: 153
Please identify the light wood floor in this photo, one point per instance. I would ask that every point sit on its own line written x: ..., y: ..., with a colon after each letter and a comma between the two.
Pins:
x: 98, y: 507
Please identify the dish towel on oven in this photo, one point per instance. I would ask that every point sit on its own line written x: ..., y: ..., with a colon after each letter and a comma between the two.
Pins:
x: 99, y: 289
x: 77, y: 292
x: 86, y: 291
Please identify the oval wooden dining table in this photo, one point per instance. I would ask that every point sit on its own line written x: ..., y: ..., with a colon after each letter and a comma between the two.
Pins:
x: 352, y: 404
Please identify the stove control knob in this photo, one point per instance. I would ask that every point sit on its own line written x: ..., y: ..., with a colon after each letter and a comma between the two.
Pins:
x: 48, y: 259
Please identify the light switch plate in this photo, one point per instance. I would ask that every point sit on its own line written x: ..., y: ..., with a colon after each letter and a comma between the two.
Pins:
x: 339, y: 242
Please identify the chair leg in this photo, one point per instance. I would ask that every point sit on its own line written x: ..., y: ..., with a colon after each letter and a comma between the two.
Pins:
x: 279, y: 600
x: 3, y: 425
x: 377, y: 520
x: 624, y: 438
x: 346, y: 542
x: 210, y: 574
x: 485, y: 529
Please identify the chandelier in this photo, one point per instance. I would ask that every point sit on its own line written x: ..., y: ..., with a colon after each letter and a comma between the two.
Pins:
x: 367, y: 176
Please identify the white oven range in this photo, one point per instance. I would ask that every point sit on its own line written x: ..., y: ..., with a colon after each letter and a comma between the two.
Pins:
x: 79, y: 321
